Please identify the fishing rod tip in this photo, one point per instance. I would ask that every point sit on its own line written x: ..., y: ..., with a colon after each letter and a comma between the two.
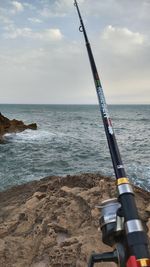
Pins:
x: 75, y: 3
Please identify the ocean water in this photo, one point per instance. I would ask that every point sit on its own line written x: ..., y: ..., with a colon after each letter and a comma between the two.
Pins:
x: 70, y: 140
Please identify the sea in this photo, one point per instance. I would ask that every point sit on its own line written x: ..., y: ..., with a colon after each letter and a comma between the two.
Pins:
x: 70, y: 139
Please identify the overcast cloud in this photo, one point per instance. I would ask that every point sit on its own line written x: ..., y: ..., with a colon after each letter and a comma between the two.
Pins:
x: 43, y: 58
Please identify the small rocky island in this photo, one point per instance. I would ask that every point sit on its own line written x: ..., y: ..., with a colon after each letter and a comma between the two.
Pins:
x: 54, y: 222
x: 13, y: 126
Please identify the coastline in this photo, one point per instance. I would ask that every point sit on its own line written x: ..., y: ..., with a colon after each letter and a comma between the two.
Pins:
x: 54, y: 221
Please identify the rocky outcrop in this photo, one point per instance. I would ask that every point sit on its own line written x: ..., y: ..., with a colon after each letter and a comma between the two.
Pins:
x: 13, y: 126
x: 54, y: 222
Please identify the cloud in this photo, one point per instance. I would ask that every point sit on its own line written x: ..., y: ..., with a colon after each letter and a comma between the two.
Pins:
x: 18, y: 7
x: 47, y: 13
x: 52, y: 34
x: 59, y: 8
x: 40, y: 73
x: 35, y: 20
x: 29, y: 6
x: 122, y: 40
x: 13, y: 32
x: 26, y: 32
x: 111, y: 32
x: 5, y: 19
x: 4, y: 16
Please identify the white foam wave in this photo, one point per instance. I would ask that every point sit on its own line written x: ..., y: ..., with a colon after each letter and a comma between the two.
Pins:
x: 29, y: 135
x: 38, y: 135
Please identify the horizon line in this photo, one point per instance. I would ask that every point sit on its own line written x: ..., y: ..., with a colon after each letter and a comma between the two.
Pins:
x: 89, y: 104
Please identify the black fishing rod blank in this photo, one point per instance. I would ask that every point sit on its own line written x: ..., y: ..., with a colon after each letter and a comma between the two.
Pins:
x: 131, y: 239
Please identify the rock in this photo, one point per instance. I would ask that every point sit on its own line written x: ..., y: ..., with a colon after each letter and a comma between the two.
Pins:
x: 32, y: 126
x: 148, y: 225
x: 2, y: 246
x: 148, y: 208
x: 13, y: 126
x: 40, y: 264
x: 39, y: 195
x: 54, y: 222
x: 32, y: 203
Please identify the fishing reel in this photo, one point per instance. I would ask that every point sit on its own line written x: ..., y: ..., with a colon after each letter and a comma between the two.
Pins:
x: 112, y: 227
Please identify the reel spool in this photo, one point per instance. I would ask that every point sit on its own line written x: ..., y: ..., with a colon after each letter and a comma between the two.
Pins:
x: 111, y: 221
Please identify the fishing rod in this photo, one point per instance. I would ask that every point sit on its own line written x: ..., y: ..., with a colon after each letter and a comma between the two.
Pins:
x: 120, y: 223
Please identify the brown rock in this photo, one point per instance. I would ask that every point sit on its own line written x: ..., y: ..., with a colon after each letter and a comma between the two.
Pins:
x: 39, y: 195
x: 148, y: 208
x: 32, y: 203
x: 32, y: 126
x: 148, y: 225
x: 13, y: 126
x: 2, y: 246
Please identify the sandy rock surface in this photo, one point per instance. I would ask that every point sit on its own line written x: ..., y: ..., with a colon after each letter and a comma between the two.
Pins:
x: 54, y: 222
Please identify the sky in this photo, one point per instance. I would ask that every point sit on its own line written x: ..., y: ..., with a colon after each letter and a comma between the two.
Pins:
x: 43, y: 58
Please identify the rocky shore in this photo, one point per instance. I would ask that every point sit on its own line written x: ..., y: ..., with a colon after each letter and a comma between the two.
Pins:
x: 54, y: 222
x: 13, y: 126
